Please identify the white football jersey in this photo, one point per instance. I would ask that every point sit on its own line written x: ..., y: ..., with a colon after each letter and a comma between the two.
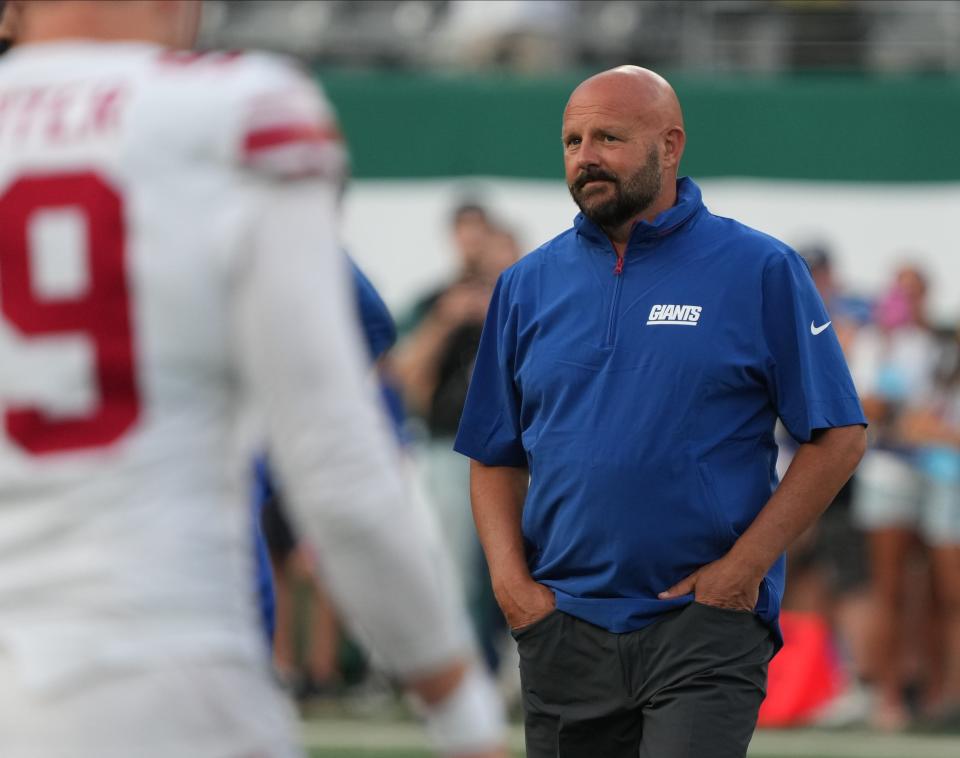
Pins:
x: 171, y: 298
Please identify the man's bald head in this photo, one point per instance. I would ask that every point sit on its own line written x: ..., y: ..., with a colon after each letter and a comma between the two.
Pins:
x: 623, y: 138
x: 634, y: 90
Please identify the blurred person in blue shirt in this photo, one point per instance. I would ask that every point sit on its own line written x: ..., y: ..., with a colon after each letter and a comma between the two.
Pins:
x: 280, y: 564
x: 847, y: 311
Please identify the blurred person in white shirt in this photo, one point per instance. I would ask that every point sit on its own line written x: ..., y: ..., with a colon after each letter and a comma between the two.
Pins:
x: 933, y: 427
x: 172, y: 296
x: 892, y: 362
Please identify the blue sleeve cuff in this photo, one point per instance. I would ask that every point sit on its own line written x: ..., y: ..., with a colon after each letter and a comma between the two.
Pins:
x: 841, y: 411
x: 487, y: 454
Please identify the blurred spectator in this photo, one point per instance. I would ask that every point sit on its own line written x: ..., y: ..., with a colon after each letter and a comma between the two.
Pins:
x: 933, y: 427
x: 433, y: 364
x: 848, y: 312
x: 443, y: 327
x: 893, y: 364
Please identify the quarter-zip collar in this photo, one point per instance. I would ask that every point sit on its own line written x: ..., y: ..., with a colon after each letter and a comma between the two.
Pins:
x: 689, y: 203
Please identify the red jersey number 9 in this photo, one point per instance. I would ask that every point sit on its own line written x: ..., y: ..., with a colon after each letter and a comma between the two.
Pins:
x: 101, y: 313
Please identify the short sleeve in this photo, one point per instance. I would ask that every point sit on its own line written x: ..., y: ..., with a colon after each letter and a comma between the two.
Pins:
x: 288, y: 129
x: 808, y: 378
x: 490, y: 425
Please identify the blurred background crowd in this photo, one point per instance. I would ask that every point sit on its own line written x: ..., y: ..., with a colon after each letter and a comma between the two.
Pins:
x: 873, y: 622
x: 543, y: 35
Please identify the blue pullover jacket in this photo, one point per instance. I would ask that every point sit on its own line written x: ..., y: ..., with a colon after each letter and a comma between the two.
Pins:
x: 642, y: 394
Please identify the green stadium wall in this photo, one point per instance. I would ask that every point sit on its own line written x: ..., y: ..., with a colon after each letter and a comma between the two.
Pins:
x: 868, y: 166
x: 813, y: 128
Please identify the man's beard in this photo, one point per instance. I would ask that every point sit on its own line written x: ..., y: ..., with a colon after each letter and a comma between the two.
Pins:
x: 630, y: 197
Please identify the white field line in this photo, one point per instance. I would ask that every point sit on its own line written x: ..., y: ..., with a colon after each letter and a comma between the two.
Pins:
x: 374, y: 735
x: 853, y: 745
x: 380, y: 735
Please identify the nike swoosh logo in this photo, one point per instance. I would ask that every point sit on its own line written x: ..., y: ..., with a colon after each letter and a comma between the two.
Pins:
x: 817, y: 329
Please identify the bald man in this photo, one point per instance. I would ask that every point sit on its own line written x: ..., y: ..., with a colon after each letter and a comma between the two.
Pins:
x: 620, y: 425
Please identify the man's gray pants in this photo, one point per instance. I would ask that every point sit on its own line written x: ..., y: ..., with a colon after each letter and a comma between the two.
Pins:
x: 689, y: 685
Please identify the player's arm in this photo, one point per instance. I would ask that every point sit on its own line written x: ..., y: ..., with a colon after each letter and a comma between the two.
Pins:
x: 300, y: 350
x: 497, y: 494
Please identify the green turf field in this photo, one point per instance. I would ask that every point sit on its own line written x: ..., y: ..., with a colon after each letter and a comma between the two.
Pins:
x: 348, y: 753
x: 358, y: 738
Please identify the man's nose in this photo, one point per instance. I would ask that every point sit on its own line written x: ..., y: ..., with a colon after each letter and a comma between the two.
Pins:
x: 587, y: 155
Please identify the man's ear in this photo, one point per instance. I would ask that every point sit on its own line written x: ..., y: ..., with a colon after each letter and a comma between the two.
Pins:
x: 674, y: 140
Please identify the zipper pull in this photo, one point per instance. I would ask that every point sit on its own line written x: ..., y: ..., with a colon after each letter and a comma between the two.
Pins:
x: 618, y: 269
